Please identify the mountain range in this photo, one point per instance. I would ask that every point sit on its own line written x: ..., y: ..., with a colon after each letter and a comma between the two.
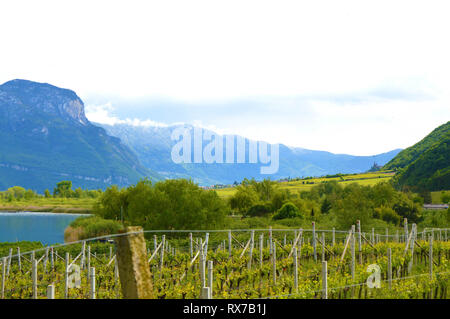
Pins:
x: 153, y: 145
x: 45, y: 137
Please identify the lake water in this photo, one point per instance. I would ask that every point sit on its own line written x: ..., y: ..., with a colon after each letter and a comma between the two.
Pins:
x: 47, y: 228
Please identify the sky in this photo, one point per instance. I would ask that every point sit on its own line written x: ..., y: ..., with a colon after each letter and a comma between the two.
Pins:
x: 355, y: 77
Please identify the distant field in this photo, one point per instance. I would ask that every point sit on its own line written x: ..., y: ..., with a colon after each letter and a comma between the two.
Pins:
x: 306, y: 184
x: 57, y: 205
x: 436, y: 196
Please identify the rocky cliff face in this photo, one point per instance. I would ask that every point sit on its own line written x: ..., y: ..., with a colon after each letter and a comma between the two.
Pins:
x: 44, y: 130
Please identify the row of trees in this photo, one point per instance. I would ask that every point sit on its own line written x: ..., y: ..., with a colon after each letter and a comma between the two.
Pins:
x: 63, y: 189
x: 169, y: 204
x: 345, y: 204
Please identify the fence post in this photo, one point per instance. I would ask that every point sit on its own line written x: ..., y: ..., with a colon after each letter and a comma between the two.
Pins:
x: 274, y: 263
x: 19, y: 259
x: 66, y: 277
x: 261, y: 246
x: 390, y: 267
x: 229, y: 243
x: 134, y: 273
x: 430, y: 253
x: 52, y: 259
x: 210, y: 278
x: 92, y: 282
x: 323, y: 246
x: 88, y: 259
x: 3, y: 276
x: 9, y: 262
x: 334, y: 237
x: 314, y: 240
x: 405, y: 226
x: 324, y: 280
x: 353, y: 241
x: 202, y: 266
x: 191, y: 251
x: 51, y: 291
x: 295, y: 269
x: 161, y: 264
x: 387, y: 235
x: 83, y: 255
x: 34, y: 277
x: 205, y: 293
x: 250, y: 252
x: 270, y: 240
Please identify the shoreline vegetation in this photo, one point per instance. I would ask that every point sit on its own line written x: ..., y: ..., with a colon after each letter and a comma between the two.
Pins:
x: 333, y: 201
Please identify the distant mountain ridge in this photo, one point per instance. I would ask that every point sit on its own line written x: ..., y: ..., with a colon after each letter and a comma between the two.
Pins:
x: 153, y: 145
x: 45, y: 137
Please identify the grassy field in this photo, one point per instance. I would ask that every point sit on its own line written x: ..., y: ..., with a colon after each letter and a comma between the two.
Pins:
x: 306, y: 184
x: 436, y: 196
x: 56, y: 205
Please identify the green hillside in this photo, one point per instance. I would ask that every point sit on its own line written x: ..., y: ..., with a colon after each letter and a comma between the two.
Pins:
x: 410, y: 154
x: 430, y: 171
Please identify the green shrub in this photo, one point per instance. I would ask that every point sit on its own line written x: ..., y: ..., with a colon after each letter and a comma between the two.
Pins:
x: 259, y: 210
x: 288, y: 210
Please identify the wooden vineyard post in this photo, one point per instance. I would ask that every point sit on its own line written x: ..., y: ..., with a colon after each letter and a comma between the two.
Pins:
x: 202, y: 266
x: 9, y: 262
x: 229, y: 243
x: 66, y: 276
x: 51, y: 291
x: 324, y: 280
x: 359, y: 241
x: 274, y: 263
x: 161, y: 262
x: 397, y: 238
x: 323, y: 246
x: 88, y: 267
x: 205, y: 293
x: 34, y: 277
x: 405, y: 225
x: 210, y: 278
x: 270, y: 240
x: 92, y: 282
x: 334, y: 237
x: 191, y: 251
x: 83, y: 255
x: 295, y: 270
x: 52, y: 259
x: 353, y: 251
x: 390, y: 267
x: 110, y: 253
x: 250, y: 252
x: 413, y: 239
x: 430, y: 253
x: 314, y: 241
x: 373, y: 236
x: 3, y: 276
x: 387, y: 235
x: 134, y: 273
x: 19, y: 259
x: 261, y: 244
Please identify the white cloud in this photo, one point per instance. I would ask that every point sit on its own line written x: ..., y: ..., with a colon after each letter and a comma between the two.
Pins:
x: 103, y: 114
x: 201, y: 52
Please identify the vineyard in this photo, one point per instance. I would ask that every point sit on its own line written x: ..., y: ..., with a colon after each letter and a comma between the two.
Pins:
x: 258, y: 263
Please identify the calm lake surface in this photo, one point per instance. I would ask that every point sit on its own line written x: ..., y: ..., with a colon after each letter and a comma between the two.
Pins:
x: 47, y: 228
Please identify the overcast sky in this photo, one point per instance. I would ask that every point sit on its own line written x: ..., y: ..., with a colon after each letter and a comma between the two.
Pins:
x: 356, y: 77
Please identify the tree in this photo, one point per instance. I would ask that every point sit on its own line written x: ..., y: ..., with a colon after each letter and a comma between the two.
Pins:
x: 47, y: 194
x: 244, y: 198
x: 63, y: 189
x: 289, y: 210
x: 445, y: 197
